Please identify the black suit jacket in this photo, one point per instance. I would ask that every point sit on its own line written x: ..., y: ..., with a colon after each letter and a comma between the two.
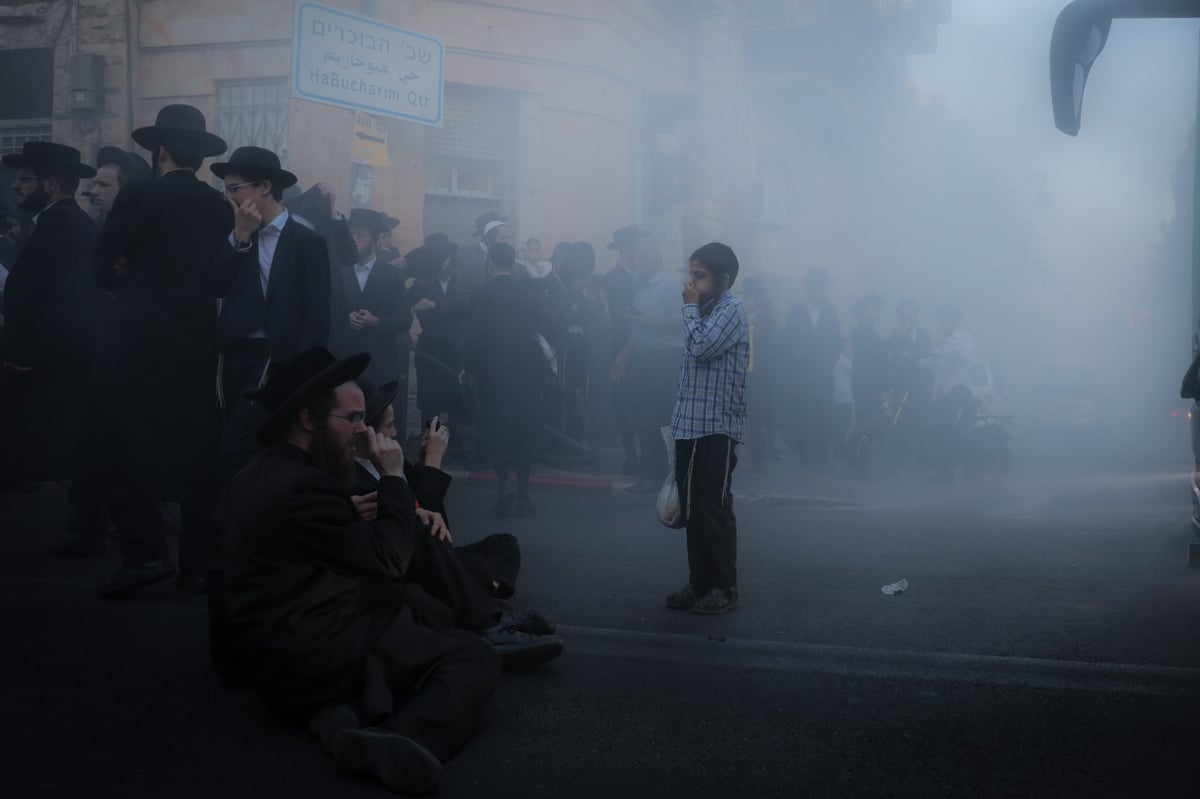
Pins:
x: 385, y: 296
x: 295, y: 311
x: 49, y: 309
x: 815, y: 349
x: 50, y: 303
x: 157, y: 253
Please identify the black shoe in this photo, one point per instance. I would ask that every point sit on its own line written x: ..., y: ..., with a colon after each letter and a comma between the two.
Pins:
x: 534, y: 622
x: 716, y: 602
x: 133, y: 578
x: 524, y: 508
x: 684, y: 598
x: 192, y: 584
x: 90, y: 547
x: 400, y: 763
x: 327, y: 722
x: 505, y: 502
x: 519, y: 651
x: 647, y: 485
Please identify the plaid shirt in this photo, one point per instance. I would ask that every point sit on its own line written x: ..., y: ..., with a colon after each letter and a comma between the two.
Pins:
x: 712, y: 380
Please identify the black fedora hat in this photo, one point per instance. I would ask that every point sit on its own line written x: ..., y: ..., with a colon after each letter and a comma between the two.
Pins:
x: 624, y: 238
x: 368, y: 218
x: 292, y: 382
x: 376, y: 400
x: 183, y: 123
x: 255, y: 162
x: 132, y: 165
x: 483, y: 220
x: 390, y: 222
x: 48, y: 153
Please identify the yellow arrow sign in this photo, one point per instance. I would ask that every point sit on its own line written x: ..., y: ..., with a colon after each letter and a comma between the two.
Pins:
x: 368, y: 140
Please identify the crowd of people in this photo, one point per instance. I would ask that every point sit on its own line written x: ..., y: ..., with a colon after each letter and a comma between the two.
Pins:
x: 244, y: 356
x: 831, y: 383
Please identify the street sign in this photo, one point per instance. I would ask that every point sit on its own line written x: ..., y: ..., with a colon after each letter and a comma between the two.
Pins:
x: 356, y: 62
x: 368, y: 141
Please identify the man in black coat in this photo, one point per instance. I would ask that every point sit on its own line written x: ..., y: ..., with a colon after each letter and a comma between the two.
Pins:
x: 278, y: 306
x: 371, y: 310
x: 442, y: 304
x: 814, y: 335
x: 449, y: 586
x: 386, y: 696
x: 510, y: 372
x: 158, y: 424
x: 50, y: 307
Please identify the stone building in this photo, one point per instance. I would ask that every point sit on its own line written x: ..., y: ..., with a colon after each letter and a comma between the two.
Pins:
x: 574, y: 117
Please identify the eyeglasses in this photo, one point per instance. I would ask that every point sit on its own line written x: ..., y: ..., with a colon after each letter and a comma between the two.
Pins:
x: 353, y: 419
x: 229, y: 190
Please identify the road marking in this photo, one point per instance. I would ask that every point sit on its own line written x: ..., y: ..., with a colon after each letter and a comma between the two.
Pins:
x: 849, y: 661
x: 1100, y: 677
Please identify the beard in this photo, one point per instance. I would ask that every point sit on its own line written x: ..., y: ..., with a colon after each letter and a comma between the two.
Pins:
x: 36, y: 200
x: 333, y: 457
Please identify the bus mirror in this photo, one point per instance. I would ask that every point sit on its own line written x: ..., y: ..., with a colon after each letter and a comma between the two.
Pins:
x: 1079, y: 35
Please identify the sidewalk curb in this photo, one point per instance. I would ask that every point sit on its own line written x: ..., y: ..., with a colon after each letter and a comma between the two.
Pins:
x: 608, y: 486
x: 562, y: 484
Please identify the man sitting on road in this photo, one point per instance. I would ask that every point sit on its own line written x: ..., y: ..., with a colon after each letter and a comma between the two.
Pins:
x: 450, y: 586
x: 385, y: 695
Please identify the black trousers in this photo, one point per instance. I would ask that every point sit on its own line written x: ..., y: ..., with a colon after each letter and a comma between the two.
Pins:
x: 704, y: 473
x: 428, y: 685
x: 242, y: 365
x: 443, y: 589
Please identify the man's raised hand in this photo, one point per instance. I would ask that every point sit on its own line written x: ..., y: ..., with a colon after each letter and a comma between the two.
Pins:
x: 385, y: 453
x: 246, y: 219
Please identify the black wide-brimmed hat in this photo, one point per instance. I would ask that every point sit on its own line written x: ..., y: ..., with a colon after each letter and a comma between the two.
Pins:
x: 376, y: 400
x: 365, y: 217
x: 390, y: 222
x: 47, y: 153
x: 182, y: 123
x: 293, y: 382
x: 255, y: 162
x: 818, y: 276
x: 132, y: 165
x: 483, y: 220
x: 626, y: 237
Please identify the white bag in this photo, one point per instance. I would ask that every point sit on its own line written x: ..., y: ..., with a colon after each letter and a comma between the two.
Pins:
x: 670, y: 513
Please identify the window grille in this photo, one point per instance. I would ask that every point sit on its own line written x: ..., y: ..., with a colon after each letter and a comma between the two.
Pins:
x: 14, y: 133
x: 254, y: 112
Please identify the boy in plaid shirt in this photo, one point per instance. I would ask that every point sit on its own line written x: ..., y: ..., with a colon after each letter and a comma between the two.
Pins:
x: 707, y: 425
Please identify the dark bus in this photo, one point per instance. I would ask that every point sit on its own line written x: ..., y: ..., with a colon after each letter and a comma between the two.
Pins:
x: 1080, y: 33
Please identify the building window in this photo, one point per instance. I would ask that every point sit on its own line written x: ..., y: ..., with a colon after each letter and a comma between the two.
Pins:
x: 14, y: 133
x: 254, y: 112
x: 470, y: 162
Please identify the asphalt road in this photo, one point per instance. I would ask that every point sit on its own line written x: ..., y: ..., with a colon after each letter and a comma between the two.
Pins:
x: 1048, y: 646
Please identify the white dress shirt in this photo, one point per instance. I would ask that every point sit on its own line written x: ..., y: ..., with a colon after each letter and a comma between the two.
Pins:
x: 363, y: 271
x: 268, y: 240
